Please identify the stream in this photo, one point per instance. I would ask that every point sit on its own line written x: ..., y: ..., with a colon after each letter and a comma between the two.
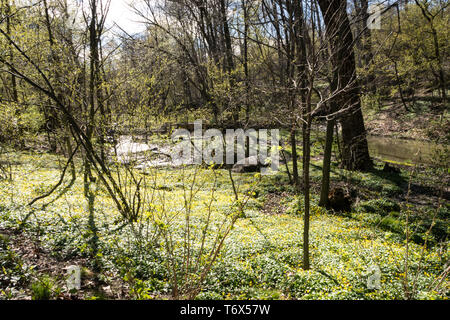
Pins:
x: 405, y: 151
x: 383, y: 148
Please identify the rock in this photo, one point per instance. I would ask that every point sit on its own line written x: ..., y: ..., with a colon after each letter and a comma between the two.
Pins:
x: 250, y: 164
x: 339, y: 200
x: 128, y: 151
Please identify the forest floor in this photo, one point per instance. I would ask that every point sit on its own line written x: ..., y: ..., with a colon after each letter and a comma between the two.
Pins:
x: 261, y: 258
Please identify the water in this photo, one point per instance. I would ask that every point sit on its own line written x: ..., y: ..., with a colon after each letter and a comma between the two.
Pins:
x: 401, y: 150
x: 384, y: 148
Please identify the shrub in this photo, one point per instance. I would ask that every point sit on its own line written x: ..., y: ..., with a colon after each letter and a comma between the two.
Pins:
x: 44, y: 288
x: 439, y: 229
x: 392, y: 224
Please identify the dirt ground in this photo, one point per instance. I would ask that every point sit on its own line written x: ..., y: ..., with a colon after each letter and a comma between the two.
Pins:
x: 421, y: 124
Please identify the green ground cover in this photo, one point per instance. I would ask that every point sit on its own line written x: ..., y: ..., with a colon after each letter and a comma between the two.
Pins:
x: 261, y: 257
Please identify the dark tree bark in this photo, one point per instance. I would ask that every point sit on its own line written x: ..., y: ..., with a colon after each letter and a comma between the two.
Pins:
x: 245, y: 61
x: 7, y: 7
x: 363, y: 33
x: 295, y: 174
x: 326, y: 167
x: 229, y: 62
x: 363, y: 41
x: 307, y: 184
x: 93, y: 103
x: 347, y: 98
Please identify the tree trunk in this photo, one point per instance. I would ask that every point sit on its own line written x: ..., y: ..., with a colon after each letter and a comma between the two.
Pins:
x: 325, y: 186
x: 245, y: 58
x: 355, y: 150
x: 306, y: 181
x: 229, y: 63
x: 14, y: 94
x: 295, y: 174
x: 363, y: 42
x: 89, y: 179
